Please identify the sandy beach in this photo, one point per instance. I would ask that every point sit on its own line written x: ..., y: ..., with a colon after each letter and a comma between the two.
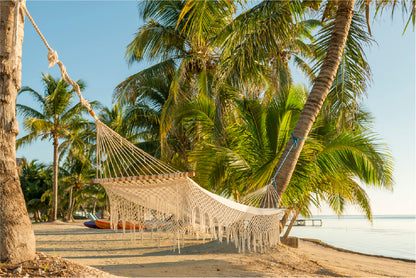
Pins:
x: 122, y: 255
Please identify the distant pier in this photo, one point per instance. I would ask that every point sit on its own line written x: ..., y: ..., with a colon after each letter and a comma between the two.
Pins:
x: 308, y: 222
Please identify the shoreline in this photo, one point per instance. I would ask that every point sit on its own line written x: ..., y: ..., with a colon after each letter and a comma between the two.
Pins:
x: 121, y: 255
x: 327, y: 245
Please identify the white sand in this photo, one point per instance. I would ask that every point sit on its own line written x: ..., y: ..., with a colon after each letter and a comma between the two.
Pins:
x: 118, y: 254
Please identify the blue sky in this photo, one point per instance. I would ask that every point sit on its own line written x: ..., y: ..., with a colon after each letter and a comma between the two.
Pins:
x: 91, y: 36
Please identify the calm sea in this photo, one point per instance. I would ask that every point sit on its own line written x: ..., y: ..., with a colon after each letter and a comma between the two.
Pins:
x: 389, y: 235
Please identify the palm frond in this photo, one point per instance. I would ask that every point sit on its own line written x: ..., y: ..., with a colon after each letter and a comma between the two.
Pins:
x: 156, y: 42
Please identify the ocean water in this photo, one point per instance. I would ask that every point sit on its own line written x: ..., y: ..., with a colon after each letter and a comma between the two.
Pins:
x: 389, y: 235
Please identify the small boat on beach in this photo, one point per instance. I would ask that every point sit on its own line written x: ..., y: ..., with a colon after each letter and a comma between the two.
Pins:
x: 91, y: 224
x: 128, y: 226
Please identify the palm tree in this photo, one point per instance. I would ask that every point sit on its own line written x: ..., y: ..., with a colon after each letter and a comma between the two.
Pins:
x: 327, y: 169
x: 252, y: 52
x: 320, y: 89
x: 78, y: 172
x: 353, y: 75
x: 258, y: 44
x: 35, y: 179
x: 78, y: 148
x: 55, y: 119
x: 272, y: 23
x: 343, y: 11
x: 17, y: 241
x: 116, y: 119
x: 180, y: 37
x: 143, y: 96
x: 342, y: 161
x: 81, y: 138
x: 279, y: 47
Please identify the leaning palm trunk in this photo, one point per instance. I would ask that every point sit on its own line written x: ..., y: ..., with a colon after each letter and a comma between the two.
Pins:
x: 295, y: 214
x: 17, y: 241
x: 315, y: 100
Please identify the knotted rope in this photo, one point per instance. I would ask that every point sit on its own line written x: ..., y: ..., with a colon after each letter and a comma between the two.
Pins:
x: 53, y: 59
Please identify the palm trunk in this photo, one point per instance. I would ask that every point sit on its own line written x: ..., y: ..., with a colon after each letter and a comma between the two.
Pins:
x: 17, y: 241
x: 284, y: 220
x: 38, y: 216
x: 292, y: 222
x: 316, y: 98
x: 93, y: 207
x: 70, y: 205
x: 35, y: 216
x: 55, y: 179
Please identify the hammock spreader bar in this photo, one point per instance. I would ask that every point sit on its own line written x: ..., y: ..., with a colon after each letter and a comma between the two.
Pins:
x: 146, y: 177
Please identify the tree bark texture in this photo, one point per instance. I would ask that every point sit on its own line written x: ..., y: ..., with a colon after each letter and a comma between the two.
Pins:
x: 315, y: 99
x: 17, y: 240
x: 295, y: 215
x: 38, y: 216
x: 283, y: 221
x: 55, y: 178
x: 69, y: 217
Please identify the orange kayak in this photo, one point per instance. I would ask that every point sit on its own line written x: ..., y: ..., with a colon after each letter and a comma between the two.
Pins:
x: 129, y: 226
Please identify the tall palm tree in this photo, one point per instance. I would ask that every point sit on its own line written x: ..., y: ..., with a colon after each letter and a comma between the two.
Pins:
x: 55, y: 119
x: 316, y: 98
x: 180, y: 37
x: 17, y: 241
x: 279, y: 47
x: 343, y: 11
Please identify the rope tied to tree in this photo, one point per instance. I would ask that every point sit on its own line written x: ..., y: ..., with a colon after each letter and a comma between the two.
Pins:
x: 273, y: 179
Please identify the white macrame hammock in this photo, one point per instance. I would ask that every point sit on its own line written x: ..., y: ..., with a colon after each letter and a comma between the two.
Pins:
x: 145, y: 190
